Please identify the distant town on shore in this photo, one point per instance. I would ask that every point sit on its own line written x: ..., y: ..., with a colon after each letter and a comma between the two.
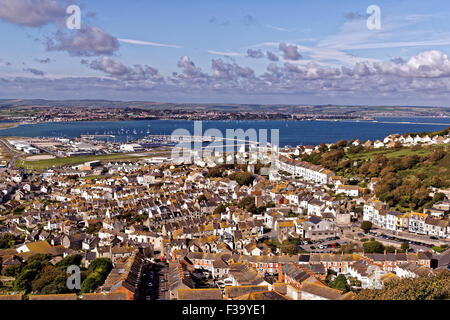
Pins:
x: 90, y: 110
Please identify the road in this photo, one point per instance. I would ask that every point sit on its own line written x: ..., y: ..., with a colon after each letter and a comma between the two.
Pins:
x: 155, y: 282
x: 14, y: 156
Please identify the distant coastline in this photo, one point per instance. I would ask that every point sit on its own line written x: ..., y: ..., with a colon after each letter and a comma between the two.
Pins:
x: 9, y: 125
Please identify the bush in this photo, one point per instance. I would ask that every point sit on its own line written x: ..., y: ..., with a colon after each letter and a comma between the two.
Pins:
x: 12, y: 271
x: 242, y: 178
x: 6, y: 241
x: 421, y: 288
x: 373, y: 247
x: 96, y: 275
x: 439, y: 249
x: 340, y: 283
x: 437, y: 155
x: 94, y: 228
x: 50, y: 279
x: 103, y: 263
x: 23, y: 281
x: 92, y: 282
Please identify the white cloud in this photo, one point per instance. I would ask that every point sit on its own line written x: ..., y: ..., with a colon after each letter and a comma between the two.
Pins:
x: 148, y: 43
x: 226, y: 53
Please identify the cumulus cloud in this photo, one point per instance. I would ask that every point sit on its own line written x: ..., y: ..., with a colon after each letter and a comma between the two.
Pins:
x: 120, y: 71
x: 87, y: 41
x: 43, y: 61
x: 31, y: 12
x: 425, y: 75
x: 255, y: 53
x: 427, y: 64
x: 35, y: 71
x: 223, y: 70
x: 289, y: 51
x: 271, y: 56
x: 189, y: 68
x: 109, y: 65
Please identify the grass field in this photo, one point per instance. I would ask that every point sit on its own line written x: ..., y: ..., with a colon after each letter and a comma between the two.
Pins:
x: 57, y: 162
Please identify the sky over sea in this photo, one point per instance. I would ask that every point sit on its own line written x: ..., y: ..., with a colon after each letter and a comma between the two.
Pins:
x: 293, y: 52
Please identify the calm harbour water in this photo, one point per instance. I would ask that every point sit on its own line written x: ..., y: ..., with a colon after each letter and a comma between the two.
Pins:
x: 290, y: 132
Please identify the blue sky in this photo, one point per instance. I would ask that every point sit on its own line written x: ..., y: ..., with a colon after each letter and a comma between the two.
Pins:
x: 218, y: 51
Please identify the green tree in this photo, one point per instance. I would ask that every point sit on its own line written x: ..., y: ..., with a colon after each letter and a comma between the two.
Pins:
x: 405, y: 246
x: 12, y: 271
x: 97, y: 273
x: 221, y: 208
x: 74, y: 259
x: 373, y: 247
x: 92, y: 282
x: 103, y: 263
x: 7, y: 240
x: 246, y: 202
x: 242, y: 178
x: 94, y: 228
x: 48, y: 279
x: 340, y: 283
x: 24, y: 279
x: 390, y: 249
x: 366, y: 226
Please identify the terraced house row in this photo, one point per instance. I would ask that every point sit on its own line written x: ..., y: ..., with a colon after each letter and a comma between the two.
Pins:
x: 381, y: 216
x: 305, y: 170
